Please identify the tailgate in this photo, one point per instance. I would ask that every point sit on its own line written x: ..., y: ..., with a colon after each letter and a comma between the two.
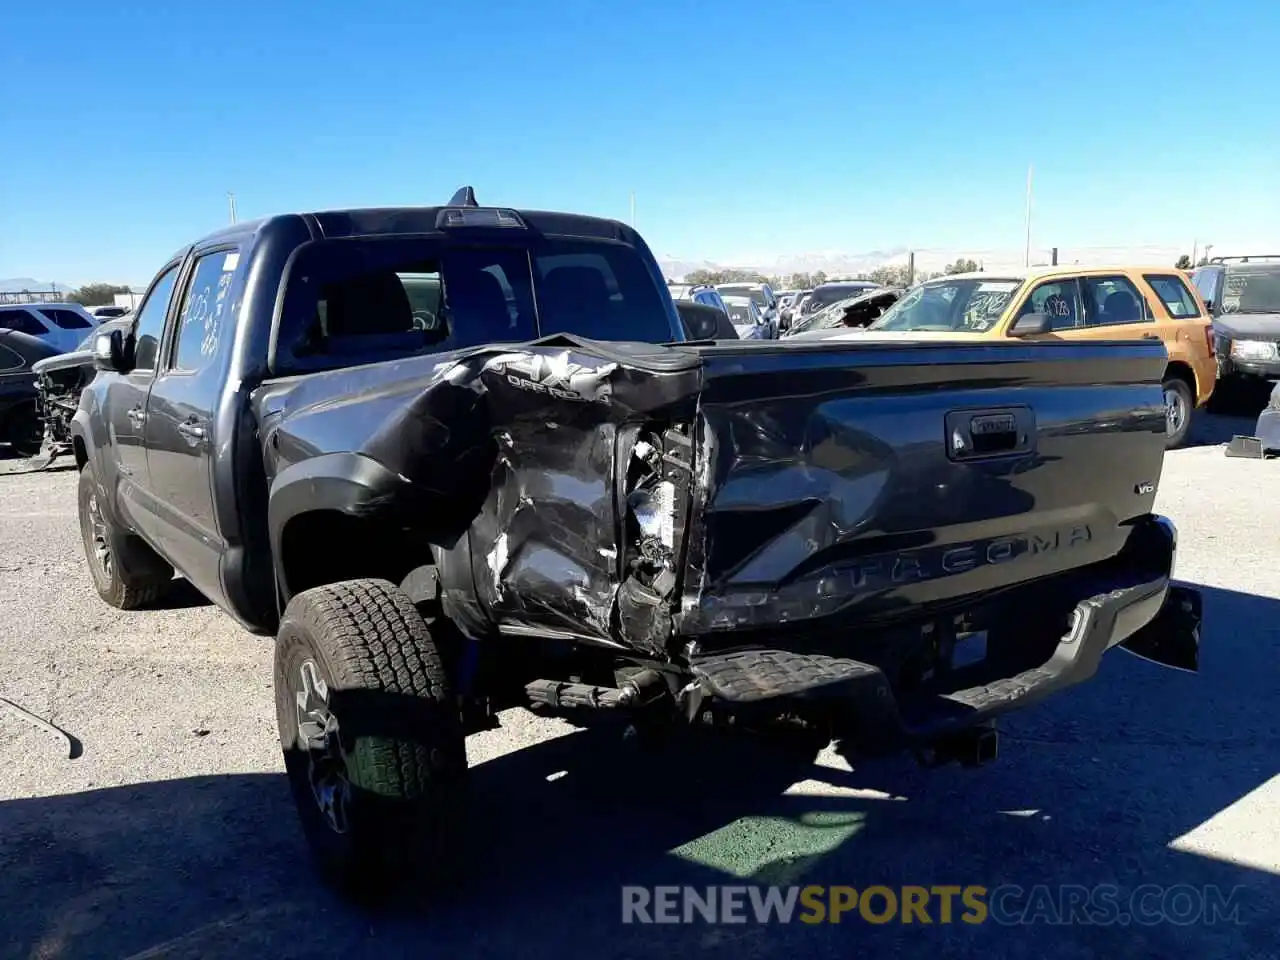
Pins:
x: 868, y: 479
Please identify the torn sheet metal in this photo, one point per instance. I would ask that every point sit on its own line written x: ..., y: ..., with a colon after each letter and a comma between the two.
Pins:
x: 641, y: 495
x: 514, y: 461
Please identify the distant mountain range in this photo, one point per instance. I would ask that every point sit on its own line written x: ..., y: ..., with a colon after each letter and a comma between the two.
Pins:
x: 933, y: 260
x: 19, y: 284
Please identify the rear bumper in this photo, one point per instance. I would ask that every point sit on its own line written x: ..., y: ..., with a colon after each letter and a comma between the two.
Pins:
x: 1143, y: 612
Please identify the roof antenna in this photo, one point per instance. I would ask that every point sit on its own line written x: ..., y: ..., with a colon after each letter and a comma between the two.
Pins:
x: 465, y: 197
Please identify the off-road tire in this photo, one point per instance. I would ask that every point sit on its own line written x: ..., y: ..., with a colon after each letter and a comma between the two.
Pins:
x: 400, y: 737
x: 1178, y: 437
x: 126, y: 572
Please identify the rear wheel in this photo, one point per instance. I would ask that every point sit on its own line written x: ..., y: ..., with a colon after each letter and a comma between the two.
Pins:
x: 1178, y: 404
x: 371, y: 733
x: 126, y: 572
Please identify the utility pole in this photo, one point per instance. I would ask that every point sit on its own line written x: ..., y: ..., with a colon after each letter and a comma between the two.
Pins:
x: 1027, y: 252
x: 633, y: 209
x: 1207, y: 248
x: 231, y: 203
x: 1195, y: 248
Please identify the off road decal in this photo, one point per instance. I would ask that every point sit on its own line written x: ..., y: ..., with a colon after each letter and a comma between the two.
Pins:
x: 555, y: 375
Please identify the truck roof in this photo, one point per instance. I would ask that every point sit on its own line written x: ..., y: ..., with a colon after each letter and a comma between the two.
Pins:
x: 390, y: 221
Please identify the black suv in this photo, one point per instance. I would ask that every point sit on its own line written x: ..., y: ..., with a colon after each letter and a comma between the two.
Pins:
x: 1243, y: 297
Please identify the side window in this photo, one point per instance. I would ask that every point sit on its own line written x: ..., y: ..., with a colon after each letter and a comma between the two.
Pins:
x: 204, y: 318
x: 1109, y: 301
x: 1058, y: 300
x: 23, y: 321
x: 10, y: 361
x: 1175, y: 296
x: 148, y: 327
x: 1206, y: 281
x: 67, y: 319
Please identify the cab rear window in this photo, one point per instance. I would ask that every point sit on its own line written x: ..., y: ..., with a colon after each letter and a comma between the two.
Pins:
x: 362, y: 299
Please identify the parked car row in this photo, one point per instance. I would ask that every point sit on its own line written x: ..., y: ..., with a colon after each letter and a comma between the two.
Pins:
x: 1071, y: 304
x: 759, y: 313
x: 61, y: 325
x: 752, y: 309
x: 45, y: 361
x: 1242, y: 295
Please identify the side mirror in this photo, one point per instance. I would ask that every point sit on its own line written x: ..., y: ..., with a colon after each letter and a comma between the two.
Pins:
x: 1208, y: 304
x: 108, y: 352
x: 1031, y: 324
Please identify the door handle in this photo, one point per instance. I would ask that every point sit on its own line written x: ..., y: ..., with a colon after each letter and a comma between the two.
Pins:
x: 1150, y: 336
x: 192, y: 430
x: 136, y: 416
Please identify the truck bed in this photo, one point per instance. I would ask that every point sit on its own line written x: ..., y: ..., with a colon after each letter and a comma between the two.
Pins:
x: 867, y: 478
x: 634, y: 495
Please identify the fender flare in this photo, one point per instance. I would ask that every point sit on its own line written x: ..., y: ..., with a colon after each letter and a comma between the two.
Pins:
x: 349, y: 483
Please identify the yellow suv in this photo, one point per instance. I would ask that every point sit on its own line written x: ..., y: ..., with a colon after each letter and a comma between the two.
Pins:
x: 1071, y: 303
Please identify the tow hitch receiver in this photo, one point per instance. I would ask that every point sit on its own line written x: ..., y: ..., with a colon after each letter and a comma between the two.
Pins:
x: 1172, y: 638
x: 970, y: 748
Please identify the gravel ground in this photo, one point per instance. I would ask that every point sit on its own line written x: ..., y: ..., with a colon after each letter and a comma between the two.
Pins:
x: 172, y: 835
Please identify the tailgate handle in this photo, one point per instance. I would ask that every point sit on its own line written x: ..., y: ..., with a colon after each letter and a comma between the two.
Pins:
x: 973, y: 434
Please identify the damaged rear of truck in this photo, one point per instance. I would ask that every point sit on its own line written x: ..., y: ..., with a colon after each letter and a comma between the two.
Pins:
x: 459, y: 459
x: 890, y: 546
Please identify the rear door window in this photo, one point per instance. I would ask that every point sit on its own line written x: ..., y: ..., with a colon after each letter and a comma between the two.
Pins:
x: 1174, y: 294
x: 24, y: 321
x: 1112, y: 301
x: 204, y: 319
x: 67, y: 319
x: 10, y: 361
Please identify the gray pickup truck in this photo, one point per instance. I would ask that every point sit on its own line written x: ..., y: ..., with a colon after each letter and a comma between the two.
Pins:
x: 459, y: 459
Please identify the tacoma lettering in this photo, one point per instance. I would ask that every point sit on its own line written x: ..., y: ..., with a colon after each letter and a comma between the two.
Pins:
x: 920, y: 565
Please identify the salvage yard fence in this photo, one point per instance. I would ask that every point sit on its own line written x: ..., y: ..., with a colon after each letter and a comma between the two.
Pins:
x: 32, y: 296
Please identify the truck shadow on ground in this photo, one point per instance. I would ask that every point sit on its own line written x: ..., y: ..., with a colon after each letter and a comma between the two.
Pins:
x: 181, y: 595
x: 1092, y: 788
x: 1211, y: 430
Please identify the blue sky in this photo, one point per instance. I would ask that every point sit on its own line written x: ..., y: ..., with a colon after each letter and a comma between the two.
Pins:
x: 743, y: 128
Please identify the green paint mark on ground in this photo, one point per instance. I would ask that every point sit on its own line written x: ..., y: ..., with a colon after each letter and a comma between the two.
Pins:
x: 771, y: 850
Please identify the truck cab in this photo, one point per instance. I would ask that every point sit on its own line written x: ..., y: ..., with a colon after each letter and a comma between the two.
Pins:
x: 167, y: 426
